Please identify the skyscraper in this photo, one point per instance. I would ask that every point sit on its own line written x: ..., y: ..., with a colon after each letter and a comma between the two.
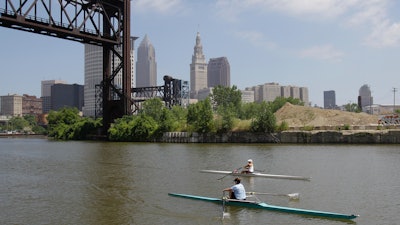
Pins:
x: 94, y: 75
x: 198, y: 69
x: 146, y: 65
x: 365, y: 96
x: 219, y: 72
x: 329, y: 99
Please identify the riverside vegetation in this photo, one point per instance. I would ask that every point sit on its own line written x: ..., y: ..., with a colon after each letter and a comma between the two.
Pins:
x: 222, y: 112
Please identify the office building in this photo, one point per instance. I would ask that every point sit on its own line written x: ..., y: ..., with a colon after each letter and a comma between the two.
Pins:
x: 219, y: 72
x: 198, y: 69
x: 94, y: 76
x: 66, y: 95
x: 247, y: 96
x: 304, y: 96
x: 204, y: 93
x: 31, y: 105
x: 329, y: 99
x: 270, y: 91
x: 365, y: 97
x: 11, y: 105
x: 146, y: 65
x: 285, y: 91
x: 46, y: 93
x: 295, y: 92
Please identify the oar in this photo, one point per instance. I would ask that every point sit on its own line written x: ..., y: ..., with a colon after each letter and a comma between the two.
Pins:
x: 229, y: 173
x: 293, y: 196
x: 223, y: 206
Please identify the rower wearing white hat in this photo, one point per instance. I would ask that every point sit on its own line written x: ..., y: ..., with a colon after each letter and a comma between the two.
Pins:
x: 249, y: 167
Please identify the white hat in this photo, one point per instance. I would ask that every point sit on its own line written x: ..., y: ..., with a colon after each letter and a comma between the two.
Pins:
x: 250, y: 160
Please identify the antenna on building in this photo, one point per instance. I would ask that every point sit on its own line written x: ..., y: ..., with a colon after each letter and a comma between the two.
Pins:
x: 394, y: 99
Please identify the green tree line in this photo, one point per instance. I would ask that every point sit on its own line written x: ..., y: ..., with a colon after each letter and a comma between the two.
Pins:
x: 222, y: 111
x: 26, y: 124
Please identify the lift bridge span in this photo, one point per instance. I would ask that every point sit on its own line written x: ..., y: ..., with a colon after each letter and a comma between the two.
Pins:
x: 104, y: 23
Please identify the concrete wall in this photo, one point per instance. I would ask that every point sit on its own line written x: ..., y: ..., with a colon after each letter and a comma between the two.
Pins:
x: 232, y: 137
x: 290, y: 137
x: 341, y: 137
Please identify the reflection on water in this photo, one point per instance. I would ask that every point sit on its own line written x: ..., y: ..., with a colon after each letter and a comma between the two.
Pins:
x: 49, y: 182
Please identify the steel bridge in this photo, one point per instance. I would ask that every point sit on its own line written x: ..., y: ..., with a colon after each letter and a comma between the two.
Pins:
x: 104, y: 23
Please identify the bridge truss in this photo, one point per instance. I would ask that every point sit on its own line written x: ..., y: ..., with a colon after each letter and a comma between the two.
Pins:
x: 173, y: 92
x: 104, y: 23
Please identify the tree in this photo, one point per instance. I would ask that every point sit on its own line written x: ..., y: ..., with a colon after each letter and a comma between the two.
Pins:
x: 225, y: 121
x: 84, y: 127
x: 249, y: 110
x: 179, y: 115
x: 226, y: 98
x: 352, y: 107
x: 265, y: 120
x: 19, y: 124
x: 153, y: 108
x: 163, y: 116
x: 144, y: 129
x: 66, y: 124
x: 281, y: 101
x: 63, y: 116
x: 120, y: 130
x: 133, y: 128
x: 200, y: 116
x: 167, y: 121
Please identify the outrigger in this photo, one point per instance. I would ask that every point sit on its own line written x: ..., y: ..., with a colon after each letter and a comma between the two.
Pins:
x: 262, y: 205
x: 256, y: 174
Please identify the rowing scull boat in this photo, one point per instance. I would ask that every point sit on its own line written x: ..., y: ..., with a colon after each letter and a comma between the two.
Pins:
x: 262, y: 205
x: 256, y: 174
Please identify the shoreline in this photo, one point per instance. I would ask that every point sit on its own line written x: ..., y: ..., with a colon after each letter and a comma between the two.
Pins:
x: 389, y: 136
x: 385, y: 136
x: 3, y: 135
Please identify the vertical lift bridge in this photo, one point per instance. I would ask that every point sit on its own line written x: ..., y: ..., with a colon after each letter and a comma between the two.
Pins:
x: 104, y: 23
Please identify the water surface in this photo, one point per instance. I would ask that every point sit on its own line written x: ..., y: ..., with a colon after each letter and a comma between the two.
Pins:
x: 51, y: 182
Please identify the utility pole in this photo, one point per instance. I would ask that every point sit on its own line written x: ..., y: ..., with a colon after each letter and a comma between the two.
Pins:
x: 394, y: 99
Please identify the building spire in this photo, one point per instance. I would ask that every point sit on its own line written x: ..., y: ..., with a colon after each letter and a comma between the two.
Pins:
x: 198, y: 69
x: 198, y: 48
x: 198, y: 41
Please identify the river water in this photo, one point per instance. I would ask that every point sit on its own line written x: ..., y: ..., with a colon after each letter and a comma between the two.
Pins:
x: 55, y: 182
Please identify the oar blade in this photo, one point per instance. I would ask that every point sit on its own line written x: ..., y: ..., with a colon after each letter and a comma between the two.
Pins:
x: 226, y: 215
x: 294, y: 196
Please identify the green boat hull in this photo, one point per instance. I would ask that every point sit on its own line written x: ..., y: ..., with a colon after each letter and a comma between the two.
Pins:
x: 262, y: 205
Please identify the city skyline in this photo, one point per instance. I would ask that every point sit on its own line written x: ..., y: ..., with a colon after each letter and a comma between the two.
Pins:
x: 329, y: 45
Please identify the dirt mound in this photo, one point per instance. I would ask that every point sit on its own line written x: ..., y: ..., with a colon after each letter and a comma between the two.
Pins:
x: 300, y: 116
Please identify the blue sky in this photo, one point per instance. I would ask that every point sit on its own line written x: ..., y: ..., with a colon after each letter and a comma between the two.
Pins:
x: 320, y: 44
